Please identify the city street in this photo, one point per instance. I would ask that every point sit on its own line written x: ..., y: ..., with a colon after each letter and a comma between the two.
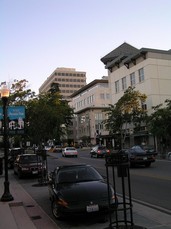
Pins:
x: 150, y: 186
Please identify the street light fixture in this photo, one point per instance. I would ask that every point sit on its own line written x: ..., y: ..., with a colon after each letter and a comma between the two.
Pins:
x: 4, y: 96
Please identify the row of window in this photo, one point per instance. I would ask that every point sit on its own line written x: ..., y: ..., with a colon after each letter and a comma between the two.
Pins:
x: 90, y: 99
x: 85, y: 101
x: 104, y: 96
x: 67, y: 91
x: 132, y: 79
x: 69, y: 80
x: 71, y: 85
x: 69, y: 74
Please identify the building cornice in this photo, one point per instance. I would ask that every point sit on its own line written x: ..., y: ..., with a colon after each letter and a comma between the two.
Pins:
x: 86, y: 87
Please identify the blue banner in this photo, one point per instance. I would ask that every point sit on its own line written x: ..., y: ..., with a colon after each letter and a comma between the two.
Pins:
x: 16, y: 116
x: 16, y: 112
x: 1, y: 113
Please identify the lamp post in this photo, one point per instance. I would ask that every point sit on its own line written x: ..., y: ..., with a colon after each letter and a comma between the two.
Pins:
x: 4, y: 96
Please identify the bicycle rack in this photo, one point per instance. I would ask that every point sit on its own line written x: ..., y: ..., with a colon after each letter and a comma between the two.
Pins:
x: 117, y: 166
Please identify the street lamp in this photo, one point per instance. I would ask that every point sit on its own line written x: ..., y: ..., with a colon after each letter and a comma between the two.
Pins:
x: 4, y: 96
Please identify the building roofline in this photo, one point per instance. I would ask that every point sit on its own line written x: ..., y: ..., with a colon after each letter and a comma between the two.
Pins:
x: 94, y: 82
x: 89, y: 108
x: 143, y: 52
x: 126, y: 53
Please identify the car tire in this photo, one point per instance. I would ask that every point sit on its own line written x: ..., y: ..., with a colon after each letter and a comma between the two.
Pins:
x: 19, y: 174
x: 169, y: 156
x: 55, y: 210
x: 147, y: 164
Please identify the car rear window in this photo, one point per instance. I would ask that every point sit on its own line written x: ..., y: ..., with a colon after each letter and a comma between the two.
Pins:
x: 29, y: 159
x: 102, y: 147
x: 70, y: 148
x: 78, y: 174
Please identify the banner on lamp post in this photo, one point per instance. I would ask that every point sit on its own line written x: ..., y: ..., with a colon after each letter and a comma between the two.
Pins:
x: 16, y: 117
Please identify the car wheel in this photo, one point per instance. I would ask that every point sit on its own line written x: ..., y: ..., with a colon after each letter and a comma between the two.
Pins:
x: 131, y: 165
x: 169, y: 156
x: 147, y: 164
x: 19, y: 174
x: 55, y: 210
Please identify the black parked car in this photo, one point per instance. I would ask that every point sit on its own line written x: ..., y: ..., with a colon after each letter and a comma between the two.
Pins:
x: 139, y: 156
x: 13, y: 153
x: 28, y: 164
x: 79, y: 190
x: 99, y: 151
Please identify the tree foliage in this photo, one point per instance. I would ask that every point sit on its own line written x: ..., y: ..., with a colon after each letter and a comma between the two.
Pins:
x: 128, y: 110
x: 159, y: 122
x: 45, y: 113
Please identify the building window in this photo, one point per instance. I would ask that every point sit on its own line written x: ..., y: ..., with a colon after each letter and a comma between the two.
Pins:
x: 144, y: 106
x: 117, y: 86
x: 132, y: 79
x: 107, y: 96
x: 124, y: 83
x: 102, y: 96
x: 141, y: 75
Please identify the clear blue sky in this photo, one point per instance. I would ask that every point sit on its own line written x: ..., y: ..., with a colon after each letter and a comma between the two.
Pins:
x: 37, y: 36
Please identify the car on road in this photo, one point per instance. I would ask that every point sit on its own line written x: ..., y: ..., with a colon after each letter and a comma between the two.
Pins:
x: 77, y: 190
x: 69, y: 151
x: 169, y: 156
x: 99, y: 151
x: 28, y: 164
x: 139, y: 156
x: 149, y: 149
x: 13, y: 152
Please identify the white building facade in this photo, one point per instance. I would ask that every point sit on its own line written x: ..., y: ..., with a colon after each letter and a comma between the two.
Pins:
x: 148, y: 70
x: 89, y: 103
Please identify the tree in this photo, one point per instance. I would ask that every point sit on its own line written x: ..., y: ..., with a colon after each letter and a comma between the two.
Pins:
x: 159, y: 123
x: 20, y: 93
x: 45, y: 113
x: 128, y: 110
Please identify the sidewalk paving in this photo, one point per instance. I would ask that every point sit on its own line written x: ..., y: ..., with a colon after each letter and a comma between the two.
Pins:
x: 24, y: 212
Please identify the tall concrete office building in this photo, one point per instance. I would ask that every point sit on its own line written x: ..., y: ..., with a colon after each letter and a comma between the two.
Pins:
x: 68, y: 79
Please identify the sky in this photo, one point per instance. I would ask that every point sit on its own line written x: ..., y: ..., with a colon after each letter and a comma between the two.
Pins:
x: 38, y: 36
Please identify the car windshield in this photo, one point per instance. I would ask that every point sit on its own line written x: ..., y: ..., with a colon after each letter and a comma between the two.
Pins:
x: 137, y: 149
x: 29, y: 159
x: 70, y: 148
x: 78, y: 174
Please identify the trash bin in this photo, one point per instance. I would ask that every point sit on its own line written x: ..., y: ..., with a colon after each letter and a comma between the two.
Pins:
x: 1, y: 165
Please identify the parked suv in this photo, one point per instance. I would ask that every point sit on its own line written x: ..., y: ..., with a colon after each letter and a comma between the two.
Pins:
x: 28, y: 164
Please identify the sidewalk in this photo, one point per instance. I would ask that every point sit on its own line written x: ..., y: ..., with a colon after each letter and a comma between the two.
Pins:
x: 24, y: 212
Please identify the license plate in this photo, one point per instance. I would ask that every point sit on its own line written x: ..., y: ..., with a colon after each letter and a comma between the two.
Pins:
x: 93, y: 208
x: 34, y: 172
x: 144, y: 158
